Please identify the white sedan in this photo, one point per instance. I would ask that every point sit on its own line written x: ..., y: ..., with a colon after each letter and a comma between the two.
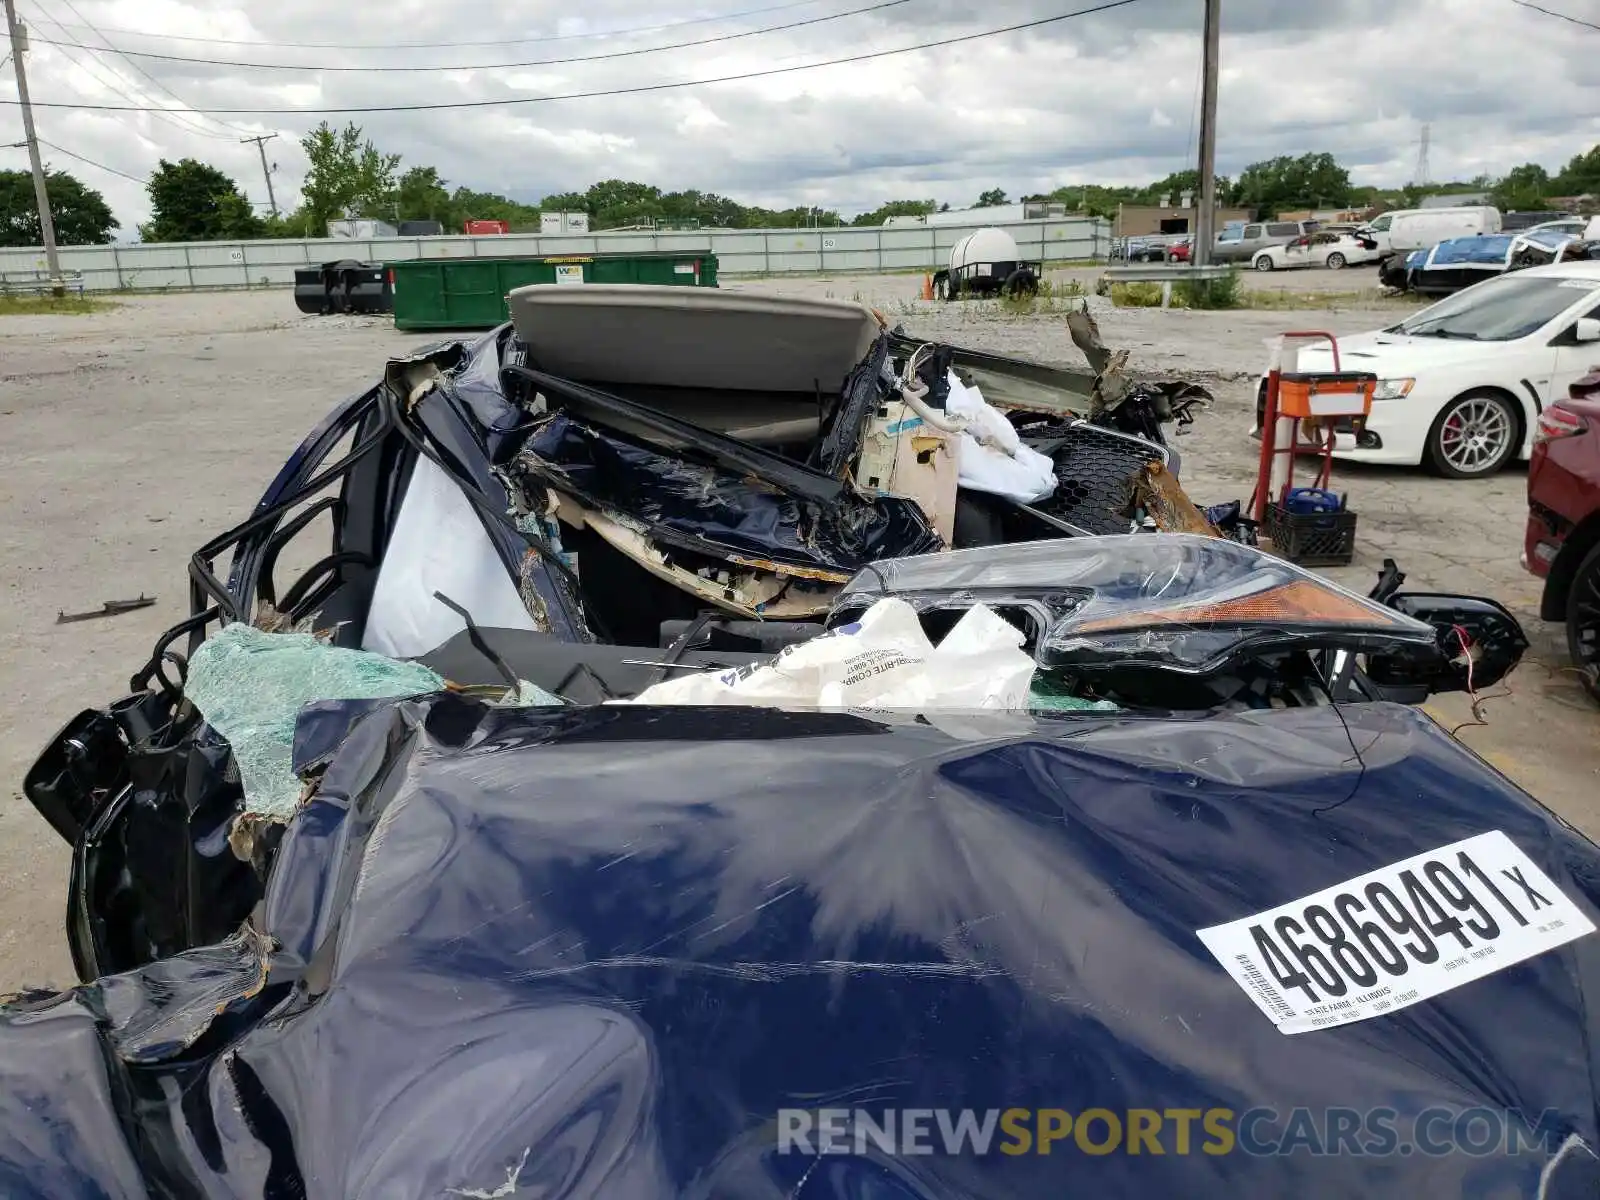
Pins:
x: 1462, y: 382
x: 1333, y: 251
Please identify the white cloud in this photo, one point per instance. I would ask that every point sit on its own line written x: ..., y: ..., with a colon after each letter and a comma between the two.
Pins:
x: 1109, y: 98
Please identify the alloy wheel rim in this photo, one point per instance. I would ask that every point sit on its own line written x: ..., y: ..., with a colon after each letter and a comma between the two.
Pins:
x: 1475, y: 435
x: 1586, y: 623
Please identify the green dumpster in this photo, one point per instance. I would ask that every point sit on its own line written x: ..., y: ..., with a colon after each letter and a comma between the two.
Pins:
x: 470, y: 293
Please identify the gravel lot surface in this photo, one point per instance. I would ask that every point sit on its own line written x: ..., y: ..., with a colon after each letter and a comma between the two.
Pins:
x: 128, y: 437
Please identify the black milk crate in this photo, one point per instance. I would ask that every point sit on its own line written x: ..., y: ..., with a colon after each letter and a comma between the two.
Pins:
x: 1319, y: 539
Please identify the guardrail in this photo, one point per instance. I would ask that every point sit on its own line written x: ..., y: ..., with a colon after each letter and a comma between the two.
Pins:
x: 1166, y: 274
x: 37, y: 283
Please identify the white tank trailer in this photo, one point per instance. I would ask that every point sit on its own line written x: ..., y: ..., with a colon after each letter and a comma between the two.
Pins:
x: 987, y: 263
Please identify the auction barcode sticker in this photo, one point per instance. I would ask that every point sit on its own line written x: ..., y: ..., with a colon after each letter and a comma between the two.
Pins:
x: 1398, y: 935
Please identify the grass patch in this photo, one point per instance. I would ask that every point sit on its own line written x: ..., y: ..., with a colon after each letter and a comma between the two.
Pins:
x: 1210, y: 294
x: 1051, y: 298
x: 1226, y: 292
x: 17, y: 306
x: 1141, y: 295
x: 1063, y: 297
x: 1372, y: 298
x: 1230, y: 293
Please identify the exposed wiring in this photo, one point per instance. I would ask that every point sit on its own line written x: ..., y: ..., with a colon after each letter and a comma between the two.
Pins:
x: 1472, y: 694
x: 913, y: 391
x: 1477, y: 717
x: 1360, y: 757
x: 499, y: 66
x: 1466, y: 652
x: 436, y: 45
x: 639, y: 89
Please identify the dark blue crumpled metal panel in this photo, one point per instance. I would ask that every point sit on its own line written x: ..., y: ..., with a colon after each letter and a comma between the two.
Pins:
x: 1488, y: 249
x: 722, y: 510
x: 595, y: 951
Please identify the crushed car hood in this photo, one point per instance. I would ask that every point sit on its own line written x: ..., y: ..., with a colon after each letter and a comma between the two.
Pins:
x: 598, y: 951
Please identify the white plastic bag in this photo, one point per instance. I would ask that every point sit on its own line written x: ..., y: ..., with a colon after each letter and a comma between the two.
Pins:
x: 1003, y: 466
x: 883, y: 660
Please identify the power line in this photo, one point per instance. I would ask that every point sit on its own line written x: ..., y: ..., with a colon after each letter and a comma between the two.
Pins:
x: 436, y: 45
x: 1560, y: 15
x: 92, y: 163
x: 623, y: 91
x: 1194, y: 110
x: 115, y: 83
x: 163, y: 87
x: 540, y: 62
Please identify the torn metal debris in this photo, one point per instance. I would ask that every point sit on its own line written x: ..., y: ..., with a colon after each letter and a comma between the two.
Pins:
x: 111, y: 608
x: 377, y: 889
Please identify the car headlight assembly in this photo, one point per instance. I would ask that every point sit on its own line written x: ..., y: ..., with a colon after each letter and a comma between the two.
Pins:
x: 1393, y: 389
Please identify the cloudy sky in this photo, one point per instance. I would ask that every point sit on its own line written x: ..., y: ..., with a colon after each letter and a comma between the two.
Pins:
x: 1109, y: 97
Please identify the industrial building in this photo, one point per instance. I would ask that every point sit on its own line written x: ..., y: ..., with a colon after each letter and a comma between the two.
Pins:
x: 1150, y: 220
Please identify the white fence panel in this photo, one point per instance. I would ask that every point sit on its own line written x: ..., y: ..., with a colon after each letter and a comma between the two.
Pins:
x: 739, y: 252
x: 741, y: 264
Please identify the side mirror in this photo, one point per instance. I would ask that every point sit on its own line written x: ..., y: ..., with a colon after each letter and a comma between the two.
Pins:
x: 1479, y: 642
x: 1587, y: 329
x: 82, y: 765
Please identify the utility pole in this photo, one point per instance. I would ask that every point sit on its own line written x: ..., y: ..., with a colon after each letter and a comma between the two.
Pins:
x: 261, y: 145
x: 1206, y: 219
x: 41, y: 194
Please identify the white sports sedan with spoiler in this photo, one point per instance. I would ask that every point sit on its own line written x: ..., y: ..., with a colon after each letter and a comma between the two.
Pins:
x: 1462, y: 382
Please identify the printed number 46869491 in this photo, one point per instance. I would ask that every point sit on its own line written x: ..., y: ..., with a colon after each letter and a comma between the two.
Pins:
x: 1386, y: 928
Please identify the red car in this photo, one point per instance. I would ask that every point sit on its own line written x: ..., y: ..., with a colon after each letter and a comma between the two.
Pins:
x: 1179, y: 252
x: 1562, y: 544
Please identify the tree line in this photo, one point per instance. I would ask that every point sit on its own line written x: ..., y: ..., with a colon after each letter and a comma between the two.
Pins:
x: 348, y: 176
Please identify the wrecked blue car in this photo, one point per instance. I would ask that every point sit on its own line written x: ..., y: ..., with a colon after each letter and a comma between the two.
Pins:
x: 400, y: 880
x: 1461, y: 262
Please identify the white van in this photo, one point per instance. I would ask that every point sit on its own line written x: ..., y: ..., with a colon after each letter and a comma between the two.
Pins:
x: 1408, y: 229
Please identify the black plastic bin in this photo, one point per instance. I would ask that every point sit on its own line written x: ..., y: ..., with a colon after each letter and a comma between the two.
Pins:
x: 345, y: 286
x: 1312, y: 539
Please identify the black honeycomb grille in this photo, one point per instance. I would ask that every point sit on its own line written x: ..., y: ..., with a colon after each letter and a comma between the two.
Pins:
x: 1095, y: 473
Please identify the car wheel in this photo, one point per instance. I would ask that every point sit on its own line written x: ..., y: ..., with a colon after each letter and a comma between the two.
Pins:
x: 1474, y: 436
x: 1583, y: 622
x: 1335, y: 261
x: 1263, y: 263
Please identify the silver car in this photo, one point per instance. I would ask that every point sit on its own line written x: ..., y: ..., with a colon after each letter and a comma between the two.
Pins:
x: 1257, y: 236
